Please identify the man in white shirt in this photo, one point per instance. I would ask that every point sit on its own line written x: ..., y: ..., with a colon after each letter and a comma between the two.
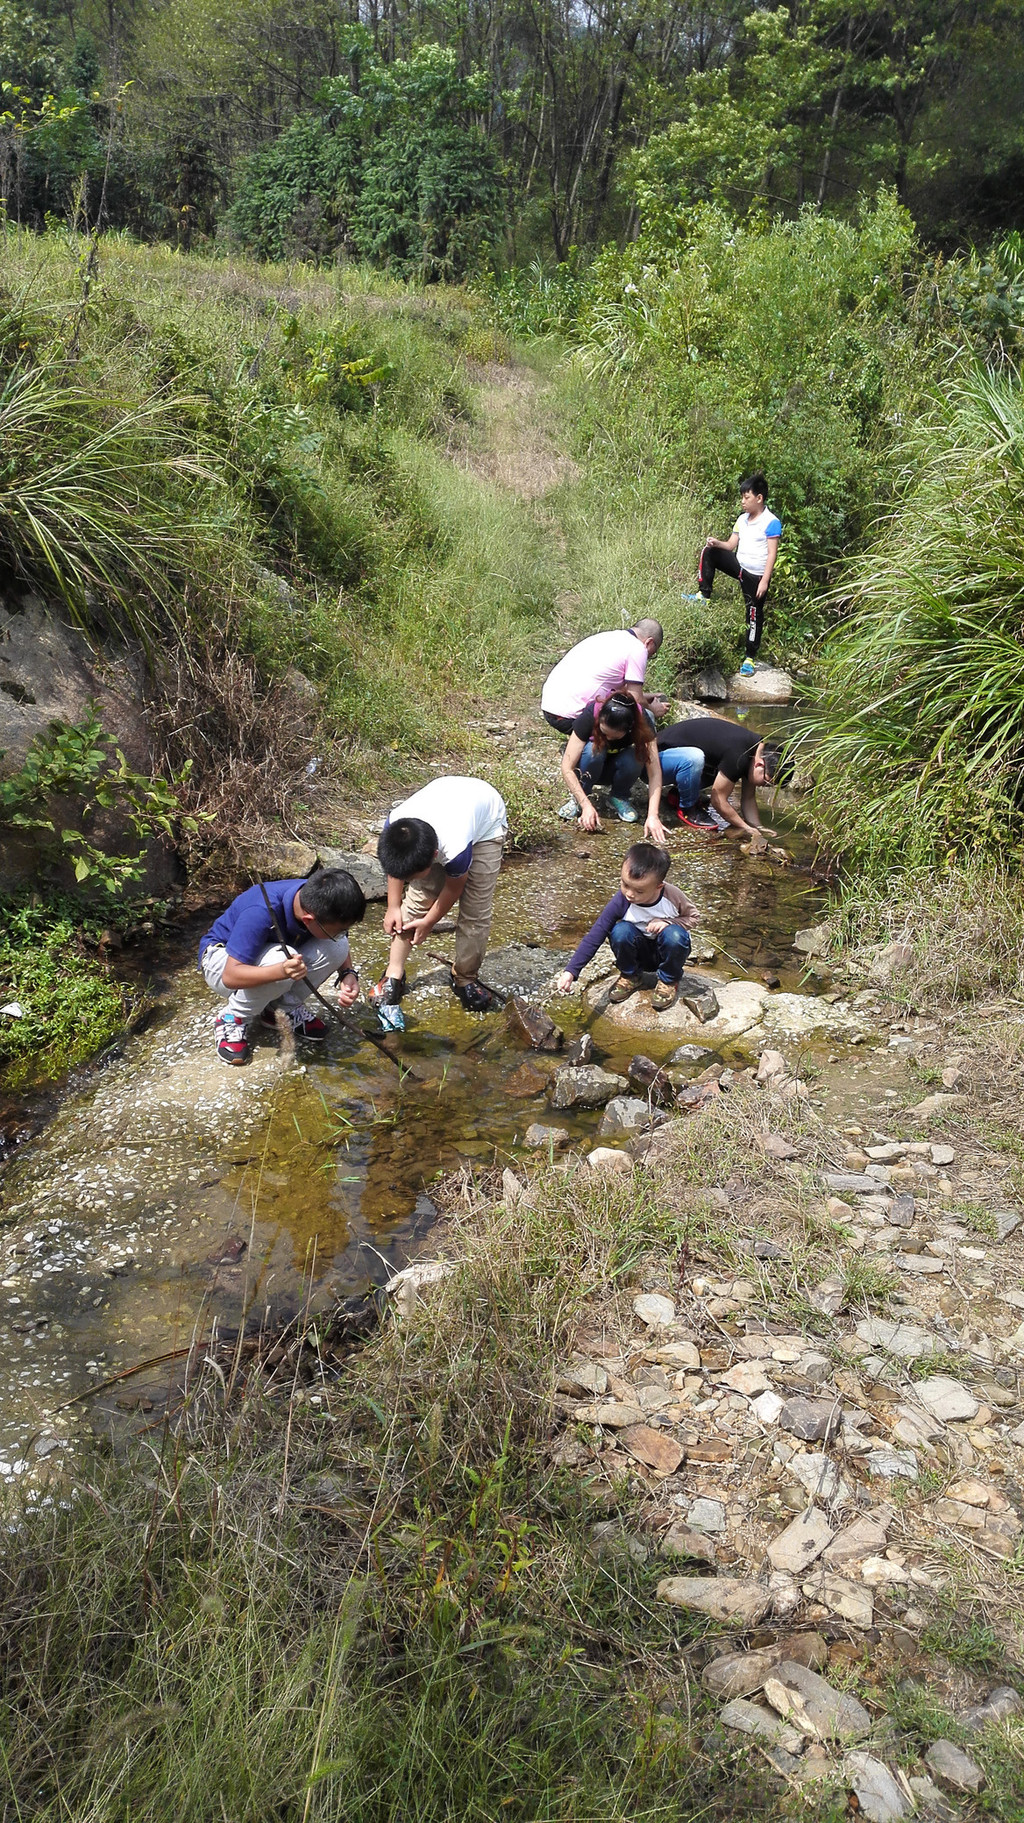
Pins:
x: 597, y: 667
x: 748, y: 555
x: 440, y: 848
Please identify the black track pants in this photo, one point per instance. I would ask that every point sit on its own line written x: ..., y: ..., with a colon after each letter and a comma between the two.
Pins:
x: 712, y: 559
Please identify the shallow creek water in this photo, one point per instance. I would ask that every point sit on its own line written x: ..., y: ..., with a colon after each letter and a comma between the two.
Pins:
x: 170, y: 1190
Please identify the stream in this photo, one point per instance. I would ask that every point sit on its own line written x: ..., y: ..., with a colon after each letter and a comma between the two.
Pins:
x: 169, y: 1190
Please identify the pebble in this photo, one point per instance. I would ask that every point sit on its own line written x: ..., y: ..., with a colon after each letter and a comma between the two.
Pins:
x: 681, y: 1541
x: 627, y: 1114
x: 933, y: 1805
x: 1007, y: 1222
x: 707, y: 1516
x: 654, y: 1309
x: 801, y: 1542
x: 746, y: 1377
x: 653, y: 1448
x: 610, y: 1161
x: 951, y: 1766
x: 584, y: 1086
x: 741, y: 1673
x: 723, y: 1598
x: 820, y: 1477
x: 946, y: 1399
x: 537, y: 1135
x: 880, y: 1799
x: 767, y: 1407
x: 812, y: 1420
x: 892, y: 1465
x: 585, y: 1378
x: 923, y: 1263
x: 851, y: 1600
x: 862, y: 1539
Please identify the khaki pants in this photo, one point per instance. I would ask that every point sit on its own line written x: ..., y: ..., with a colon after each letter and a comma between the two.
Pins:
x: 474, y: 907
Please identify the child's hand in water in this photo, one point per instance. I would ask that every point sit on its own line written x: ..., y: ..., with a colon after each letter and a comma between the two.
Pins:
x: 565, y: 982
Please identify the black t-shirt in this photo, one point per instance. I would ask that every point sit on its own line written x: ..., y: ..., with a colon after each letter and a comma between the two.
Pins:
x: 725, y: 745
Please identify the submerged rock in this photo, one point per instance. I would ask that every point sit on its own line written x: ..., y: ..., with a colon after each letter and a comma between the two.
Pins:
x: 585, y: 1086
x: 529, y: 1024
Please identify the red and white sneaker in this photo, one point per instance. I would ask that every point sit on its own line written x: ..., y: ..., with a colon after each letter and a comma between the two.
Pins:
x: 307, y: 1025
x: 232, y: 1036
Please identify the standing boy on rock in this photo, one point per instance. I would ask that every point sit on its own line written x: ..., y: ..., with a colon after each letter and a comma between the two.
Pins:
x: 440, y: 848
x: 647, y: 924
x: 749, y: 555
x: 242, y: 959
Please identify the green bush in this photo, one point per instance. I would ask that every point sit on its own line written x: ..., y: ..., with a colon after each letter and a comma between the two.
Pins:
x: 70, y: 1007
x: 391, y: 166
x: 918, y: 730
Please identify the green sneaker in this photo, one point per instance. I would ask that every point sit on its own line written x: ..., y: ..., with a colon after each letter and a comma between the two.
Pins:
x: 623, y: 810
x: 570, y: 811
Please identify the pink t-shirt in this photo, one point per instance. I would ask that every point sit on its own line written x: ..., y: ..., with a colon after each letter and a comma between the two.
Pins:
x: 593, y: 669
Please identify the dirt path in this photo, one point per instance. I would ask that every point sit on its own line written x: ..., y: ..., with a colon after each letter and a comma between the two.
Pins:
x: 514, y: 446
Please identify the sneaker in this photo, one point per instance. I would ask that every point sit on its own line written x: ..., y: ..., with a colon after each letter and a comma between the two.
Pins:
x: 696, y: 818
x: 232, y: 1038
x: 746, y: 668
x: 623, y: 810
x: 390, y: 1018
x: 388, y: 991
x: 624, y: 986
x: 697, y: 597
x: 474, y: 996
x: 304, y: 1024
x: 570, y: 811
x: 664, y: 996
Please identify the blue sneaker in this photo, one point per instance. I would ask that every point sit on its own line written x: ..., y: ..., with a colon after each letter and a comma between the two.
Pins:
x: 624, y: 811
x: 746, y: 668
x: 697, y: 597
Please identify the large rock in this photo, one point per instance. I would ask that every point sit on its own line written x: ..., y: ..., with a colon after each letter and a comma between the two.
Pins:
x: 953, y: 1768
x: 538, y: 1135
x: 585, y: 1085
x: 366, y: 870
x: 766, y: 686
x: 627, y: 1114
x: 905, y: 1340
x: 946, y: 1399
x: 879, y: 1797
x: 741, y: 1673
x: 833, y: 1714
x: 529, y: 1024
x: 791, y: 1016
x: 740, y: 1006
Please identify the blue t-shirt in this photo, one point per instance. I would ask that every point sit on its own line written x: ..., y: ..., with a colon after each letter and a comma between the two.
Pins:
x: 246, y: 929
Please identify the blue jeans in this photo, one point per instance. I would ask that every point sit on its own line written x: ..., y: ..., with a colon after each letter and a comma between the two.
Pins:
x: 637, y: 954
x: 683, y: 767
x: 617, y: 772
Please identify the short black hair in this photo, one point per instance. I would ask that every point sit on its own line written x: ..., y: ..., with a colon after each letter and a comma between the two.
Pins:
x: 331, y: 896
x: 778, y: 767
x: 406, y: 846
x: 755, y: 484
x: 644, y: 859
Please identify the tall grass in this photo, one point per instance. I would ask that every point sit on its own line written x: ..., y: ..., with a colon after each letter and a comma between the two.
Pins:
x: 918, y: 727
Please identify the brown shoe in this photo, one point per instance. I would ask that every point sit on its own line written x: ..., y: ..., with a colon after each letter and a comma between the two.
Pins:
x: 664, y: 996
x: 625, y: 985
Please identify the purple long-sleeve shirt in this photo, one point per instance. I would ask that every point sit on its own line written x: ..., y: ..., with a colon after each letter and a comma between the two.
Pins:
x: 589, y: 945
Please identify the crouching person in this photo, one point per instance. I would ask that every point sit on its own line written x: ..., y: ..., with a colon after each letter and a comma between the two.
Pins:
x: 242, y: 959
x: 442, y: 848
x: 647, y: 925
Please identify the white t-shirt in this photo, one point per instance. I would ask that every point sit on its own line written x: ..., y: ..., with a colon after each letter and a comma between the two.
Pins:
x: 593, y: 669
x: 644, y: 914
x: 460, y: 812
x: 752, y: 550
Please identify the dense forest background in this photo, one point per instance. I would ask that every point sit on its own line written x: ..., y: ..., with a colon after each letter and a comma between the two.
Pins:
x: 440, y: 136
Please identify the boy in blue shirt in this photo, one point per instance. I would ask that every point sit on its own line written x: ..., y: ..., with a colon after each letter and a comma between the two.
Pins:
x: 242, y: 959
x: 749, y: 555
x: 647, y: 925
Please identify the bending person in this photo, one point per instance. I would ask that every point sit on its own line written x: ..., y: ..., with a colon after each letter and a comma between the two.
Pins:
x: 440, y: 848
x: 611, y: 744
x: 730, y: 755
x: 597, y: 667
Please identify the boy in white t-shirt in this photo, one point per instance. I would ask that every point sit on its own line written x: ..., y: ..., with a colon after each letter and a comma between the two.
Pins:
x: 748, y: 555
x: 440, y: 848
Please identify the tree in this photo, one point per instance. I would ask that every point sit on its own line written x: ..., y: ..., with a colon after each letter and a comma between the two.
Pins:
x: 391, y: 165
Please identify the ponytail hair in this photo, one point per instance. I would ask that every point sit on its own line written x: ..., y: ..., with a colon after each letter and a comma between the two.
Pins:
x: 623, y: 713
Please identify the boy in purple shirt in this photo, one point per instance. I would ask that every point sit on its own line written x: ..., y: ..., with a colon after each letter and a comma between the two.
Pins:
x: 648, y: 926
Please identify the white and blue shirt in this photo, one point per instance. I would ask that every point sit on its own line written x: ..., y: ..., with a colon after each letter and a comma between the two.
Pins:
x: 753, y: 535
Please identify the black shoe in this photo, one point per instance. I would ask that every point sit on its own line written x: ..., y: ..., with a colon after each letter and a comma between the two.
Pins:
x: 474, y: 996
x: 388, y: 990
x: 695, y: 818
